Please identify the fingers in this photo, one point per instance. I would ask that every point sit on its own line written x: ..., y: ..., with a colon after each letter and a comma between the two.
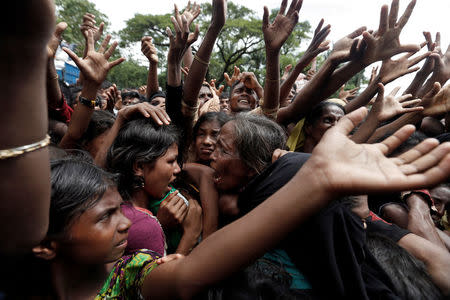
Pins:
x: 393, y: 14
x: 60, y: 27
x: 357, y: 32
x: 236, y: 71
x: 434, y: 175
x: 383, y: 27
x: 169, y: 258
x: 396, y: 139
x: 110, y: 51
x: 347, y: 123
x: 266, y: 17
x: 116, y: 62
x: 104, y: 44
x: 319, y: 26
x: 282, y: 7
x: 419, y: 58
x: 73, y: 56
x: 170, y: 35
x: 89, y: 40
x: 436, y: 88
x: 405, y: 17
x: 380, y: 95
x: 394, y: 91
x: 176, y: 26
x: 430, y: 155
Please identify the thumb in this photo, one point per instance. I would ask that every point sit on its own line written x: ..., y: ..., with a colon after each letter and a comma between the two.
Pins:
x: 347, y: 123
x: 60, y: 27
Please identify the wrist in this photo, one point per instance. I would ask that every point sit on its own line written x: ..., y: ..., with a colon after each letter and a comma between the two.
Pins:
x: 272, y: 53
x: 89, y: 89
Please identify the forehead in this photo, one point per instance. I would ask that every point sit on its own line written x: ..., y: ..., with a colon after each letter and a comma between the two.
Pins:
x: 204, y: 90
x: 238, y: 86
x: 332, y: 109
x: 227, y: 135
x: 111, y: 198
x: 214, y: 124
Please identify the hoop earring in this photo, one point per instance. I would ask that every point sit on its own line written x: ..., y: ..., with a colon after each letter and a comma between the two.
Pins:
x: 139, y: 182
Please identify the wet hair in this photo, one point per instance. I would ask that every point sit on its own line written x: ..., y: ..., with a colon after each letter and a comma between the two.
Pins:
x: 101, y: 121
x: 262, y: 280
x: 407, y: 273
x: 256, y: 139
x: 133, y: 94
x: 139, y: 141
x: 318, y: 111
x: 220, y: 117
x: 76, y: 186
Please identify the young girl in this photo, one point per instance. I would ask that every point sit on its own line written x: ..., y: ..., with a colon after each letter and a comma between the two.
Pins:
x: 88, y: 231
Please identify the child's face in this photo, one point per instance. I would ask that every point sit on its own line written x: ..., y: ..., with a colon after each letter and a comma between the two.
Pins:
x: 100, y: 234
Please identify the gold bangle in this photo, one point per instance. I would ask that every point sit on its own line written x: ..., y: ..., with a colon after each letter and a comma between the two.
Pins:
x: 17, y: 151
x: 201, y: 60
x: 53, y: 78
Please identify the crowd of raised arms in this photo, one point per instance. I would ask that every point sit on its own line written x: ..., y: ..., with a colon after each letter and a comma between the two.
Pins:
x: 194, y: 191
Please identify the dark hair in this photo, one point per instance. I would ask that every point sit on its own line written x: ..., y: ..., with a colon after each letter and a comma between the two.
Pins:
x: 76, y: 186
x: 139, y: 141
x: 318, y: 111
x: 101, y: 121
x: 220, y: 117
x: 256, y: 139
x: 133, y: 94
x: 262, y: 280
x: 224, y: 95
x: 407, y: 273
x: 72, y: 98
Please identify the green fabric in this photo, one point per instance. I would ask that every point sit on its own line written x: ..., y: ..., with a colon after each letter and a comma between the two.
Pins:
x: 173, y: 237
x: 126, y: 278
x: 280, y: 256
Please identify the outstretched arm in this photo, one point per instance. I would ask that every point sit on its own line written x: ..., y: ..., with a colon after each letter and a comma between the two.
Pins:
x: 25, y: 184
x: 275, y: 35
x: 149, y: 50
x: 336, y: 167
x: 94, y: 67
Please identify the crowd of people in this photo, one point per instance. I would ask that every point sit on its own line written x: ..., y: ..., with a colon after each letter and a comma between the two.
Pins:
x: 255, y: 190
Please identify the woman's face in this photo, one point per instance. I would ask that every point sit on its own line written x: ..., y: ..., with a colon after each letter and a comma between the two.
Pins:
x: 204, y: 95
x: 159, y: 175
x: 206, y: 140
x: 231, y: 173
x: 159, y: 102
x: 330, y: 116
x: 242, y: 98
x: 100, y: 234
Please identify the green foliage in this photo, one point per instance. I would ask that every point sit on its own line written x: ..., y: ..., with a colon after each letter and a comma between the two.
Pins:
x: 240, y: 43
x: 128, y: 74
x: 71, y: 12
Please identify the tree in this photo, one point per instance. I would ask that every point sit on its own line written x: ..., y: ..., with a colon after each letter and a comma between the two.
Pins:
x: 71, y: 12
x: 128, y: 74
x: 240, y: 42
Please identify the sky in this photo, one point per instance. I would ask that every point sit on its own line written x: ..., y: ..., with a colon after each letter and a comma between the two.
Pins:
x: 344, y: 16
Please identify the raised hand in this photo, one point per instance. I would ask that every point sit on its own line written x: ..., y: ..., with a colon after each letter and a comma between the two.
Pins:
x: 276, y: 33
x: 219, y: 90
x: 393, y: 69
x: 441, y: 70
x: 347, y: 48
x: 182, y: 39
x: 285, y: 75
x: 385, y: 42
x: 388, y: 107
x: 350, y: 168
x: 158, y: 115
x: 95, y: 66
x: 55, y: 40
x: 347, y: 95
x: 89, y: 25
x: 149, y: 50
x: 233, y: 78
x: 219, y: 14
x: 318, y: 43
x: 373, y: 74
x: 190, y: 12
x: 437, y: 100
x: 249, y: 80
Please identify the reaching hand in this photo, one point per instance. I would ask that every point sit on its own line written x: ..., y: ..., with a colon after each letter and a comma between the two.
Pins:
x: 393, y: 69
x: 441, y: 71
x: 437, y: 101
x: 172, y: 211
x: 373, y: 74
x: 349, y: 94
x: 89, y: 24
x: 385, y: 42
x: 55, y: 40
x: 388, y: 107
x: 318, y: 43
x: 249, y: 80
x: 95, y: 65
x: 190, y: 12
x: 149, y: 50
x: 158, y: 114
x: 182, y: 39
x: 287, y: 69
x: 219, y: 14
x: 219, y: 90
x: 233, y: 78
x: 347, y: 48
x: 276, y: 33
x: 345, y: 167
